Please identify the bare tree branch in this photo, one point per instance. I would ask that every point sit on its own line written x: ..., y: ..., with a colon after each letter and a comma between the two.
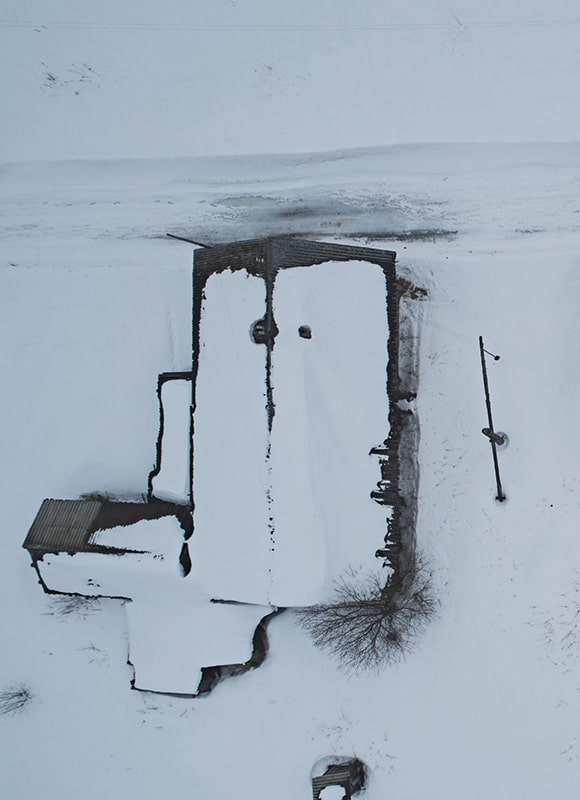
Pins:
x: 369, y: 624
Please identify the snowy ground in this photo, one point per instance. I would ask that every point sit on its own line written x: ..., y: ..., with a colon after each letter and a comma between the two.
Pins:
x: 96, y: 302
x: 79, y: 80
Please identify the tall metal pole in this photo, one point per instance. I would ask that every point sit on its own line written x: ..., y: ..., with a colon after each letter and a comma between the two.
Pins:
x: 492, y: 438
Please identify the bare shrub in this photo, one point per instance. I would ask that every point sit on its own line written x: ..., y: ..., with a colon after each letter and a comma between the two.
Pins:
x: 63, y: 605
x: 368, y: 623
x: 14, y: 698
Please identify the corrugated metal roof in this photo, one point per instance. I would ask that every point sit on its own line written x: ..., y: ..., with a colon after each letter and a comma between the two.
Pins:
x: 350, y: 776
x: 261, y: 255
x: 303, y: 252
x: 66, y: 526
x: 62, y: 525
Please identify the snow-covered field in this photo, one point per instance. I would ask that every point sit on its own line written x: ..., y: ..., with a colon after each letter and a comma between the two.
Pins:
x: 144, y: 79
x: 96, y: 301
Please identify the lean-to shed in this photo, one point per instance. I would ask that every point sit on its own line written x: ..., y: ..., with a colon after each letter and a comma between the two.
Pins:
x: 347, y: 774
x: 69, y: 526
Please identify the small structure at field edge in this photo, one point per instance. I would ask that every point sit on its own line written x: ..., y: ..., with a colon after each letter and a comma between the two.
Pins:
x: 348, y: 774
x: 69, y: 526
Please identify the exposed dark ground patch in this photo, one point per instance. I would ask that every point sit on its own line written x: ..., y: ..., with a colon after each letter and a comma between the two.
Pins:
x: 417, y: 235
x: 336, y: 213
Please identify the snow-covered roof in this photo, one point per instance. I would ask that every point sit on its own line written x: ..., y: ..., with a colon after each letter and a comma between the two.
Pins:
x: 175, y: 630
x: 282, y: 501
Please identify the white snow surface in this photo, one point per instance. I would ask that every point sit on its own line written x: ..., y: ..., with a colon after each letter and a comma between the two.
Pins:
x: 96, y: 302
x: 229, y: 548
x: 162, y: 538
x: 332, y: 793
x: 330, y: 394
x: 172, y: 482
